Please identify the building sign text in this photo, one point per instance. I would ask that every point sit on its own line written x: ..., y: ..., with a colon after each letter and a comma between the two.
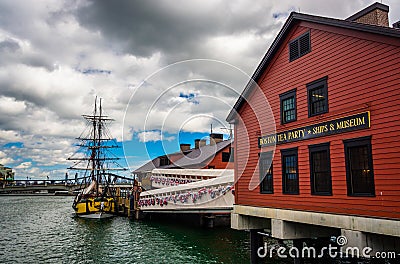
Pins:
x: 341, y: 125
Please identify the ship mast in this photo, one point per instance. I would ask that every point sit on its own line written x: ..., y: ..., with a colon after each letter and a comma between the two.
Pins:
x: 93, y: 155
x: 96, y: 144
x: 99, y: 164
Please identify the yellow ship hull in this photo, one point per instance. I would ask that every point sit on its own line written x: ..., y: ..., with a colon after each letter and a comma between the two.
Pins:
x: 95, y: 207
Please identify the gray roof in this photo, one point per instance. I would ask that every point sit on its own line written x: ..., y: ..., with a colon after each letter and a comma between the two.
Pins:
x: 155, y: 163
x: 149, y: 166
x: 368, y: 10
x: 292, y: 20
x: 194, y: 158
x: 198, y: 158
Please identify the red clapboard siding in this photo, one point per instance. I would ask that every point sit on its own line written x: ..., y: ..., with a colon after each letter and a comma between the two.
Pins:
x: 217, y: 163
x: 363, y: 75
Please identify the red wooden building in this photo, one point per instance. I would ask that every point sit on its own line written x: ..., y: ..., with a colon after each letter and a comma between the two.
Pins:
x: 332, y: 165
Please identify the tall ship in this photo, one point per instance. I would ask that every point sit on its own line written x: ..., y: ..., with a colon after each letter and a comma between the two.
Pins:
x: 97, y: 161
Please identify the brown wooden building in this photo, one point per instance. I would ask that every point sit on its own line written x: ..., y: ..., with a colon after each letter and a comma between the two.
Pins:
x: 332, y: 164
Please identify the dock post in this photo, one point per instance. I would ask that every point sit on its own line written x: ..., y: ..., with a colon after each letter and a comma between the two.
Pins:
x: 256, y: 241
x: 131, y: 204
x: 137, y: 214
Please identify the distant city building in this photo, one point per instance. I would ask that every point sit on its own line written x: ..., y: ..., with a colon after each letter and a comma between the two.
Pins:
x: 6, y: 174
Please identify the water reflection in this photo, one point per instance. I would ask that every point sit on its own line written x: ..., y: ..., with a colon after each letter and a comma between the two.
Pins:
x: 42, y: 230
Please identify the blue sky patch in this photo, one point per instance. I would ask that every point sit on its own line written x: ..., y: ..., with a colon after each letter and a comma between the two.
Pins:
x: 279, y: 15
x: 95, y: 71
x: 14, y: 144
x: 190, y: 97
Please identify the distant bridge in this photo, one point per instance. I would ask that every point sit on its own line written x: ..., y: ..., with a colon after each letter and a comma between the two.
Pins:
x: 50, y: 187
x: 43, y: 186
x: 25, y: 187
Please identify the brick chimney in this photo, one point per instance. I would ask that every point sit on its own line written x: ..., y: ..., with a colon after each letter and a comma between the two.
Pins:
x: 196, y: 143
x: 216, y: 138
x: 375, y: 14
x: 184, y: 147
x: 202, y: 143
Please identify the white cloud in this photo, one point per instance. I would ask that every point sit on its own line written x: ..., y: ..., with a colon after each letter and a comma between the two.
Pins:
x: 10, y: 106
x: 24, y: 165
x: 6, y: 161
x: 6, y: 158
x: 9, y: 136
x: 154, y: 136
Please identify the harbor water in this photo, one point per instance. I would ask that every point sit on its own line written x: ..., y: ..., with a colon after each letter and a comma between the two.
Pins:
x: 42, y: 229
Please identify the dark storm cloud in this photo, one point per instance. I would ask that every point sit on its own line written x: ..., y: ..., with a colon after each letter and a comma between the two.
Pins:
x: 170, y: 27
x: 9, y: 45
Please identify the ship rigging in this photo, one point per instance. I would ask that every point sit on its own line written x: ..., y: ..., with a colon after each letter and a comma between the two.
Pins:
x: 95, y: 157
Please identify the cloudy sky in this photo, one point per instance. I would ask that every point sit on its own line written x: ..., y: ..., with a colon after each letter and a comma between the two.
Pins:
x: 165, y: 70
